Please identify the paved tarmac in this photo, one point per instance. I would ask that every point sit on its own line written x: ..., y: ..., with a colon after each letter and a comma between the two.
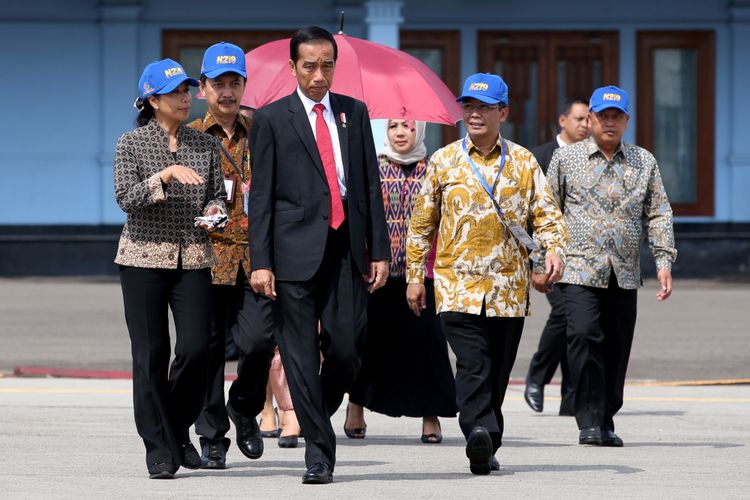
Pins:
x: 72, y: 438
x: 701, y: 332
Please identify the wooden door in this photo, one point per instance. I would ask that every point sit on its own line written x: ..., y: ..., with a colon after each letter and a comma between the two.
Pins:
x: 542, y: 69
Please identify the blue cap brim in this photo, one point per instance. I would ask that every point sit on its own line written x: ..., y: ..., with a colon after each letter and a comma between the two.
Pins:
x: 176, y: 82
x: 482, y: 98
x: 221, y: 71
x: 602, y: 107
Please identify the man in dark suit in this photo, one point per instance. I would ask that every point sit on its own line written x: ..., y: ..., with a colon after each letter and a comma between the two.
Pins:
x: 574, y: 127
x: 318, y: 236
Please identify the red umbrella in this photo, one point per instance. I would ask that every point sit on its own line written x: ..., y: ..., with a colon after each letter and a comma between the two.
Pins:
x: 392, y: 83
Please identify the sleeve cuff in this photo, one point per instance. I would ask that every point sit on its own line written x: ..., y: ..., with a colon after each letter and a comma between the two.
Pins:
x: 414, y: 276
x: 663, y: 263
x: 155, y: 188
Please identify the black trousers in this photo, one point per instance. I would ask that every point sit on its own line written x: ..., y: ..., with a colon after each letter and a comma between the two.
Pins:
x: 601, y: 322
x: 240, y: 313
x: 337, y: 297
x: 485, y: 350
x: 167, y: 399
x: 552, y: 348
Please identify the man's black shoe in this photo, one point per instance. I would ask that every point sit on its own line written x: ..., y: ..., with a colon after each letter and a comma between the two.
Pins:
x: 214, y: 453
x: 189, y: 456
x: 479, y: 450
x: 249, y: 439
x: 590, y: 435
x: 161, y: 470
x: 494, y: 463
x: 534, y: 396
x: 609, y: 438
x: 319, y: 473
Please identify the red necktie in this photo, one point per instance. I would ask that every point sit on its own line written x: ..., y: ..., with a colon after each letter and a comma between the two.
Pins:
x: 325, y: 148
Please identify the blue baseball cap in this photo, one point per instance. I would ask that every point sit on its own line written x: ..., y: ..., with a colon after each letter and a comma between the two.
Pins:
x: 222, y: 58
x: 162, y: 77
x: 485, y: 87
x: 609, y: 97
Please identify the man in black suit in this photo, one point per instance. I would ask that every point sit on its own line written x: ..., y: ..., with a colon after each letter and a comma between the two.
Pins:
x: 574, y: 127
x: 318, y: 236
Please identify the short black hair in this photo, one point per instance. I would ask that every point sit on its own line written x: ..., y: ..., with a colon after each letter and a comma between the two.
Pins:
x: 570, y: 101
x: 311, y: 34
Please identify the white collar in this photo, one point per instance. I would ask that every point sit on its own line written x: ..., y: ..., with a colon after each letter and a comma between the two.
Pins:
x: 560, y: 142
x: 309, y: 103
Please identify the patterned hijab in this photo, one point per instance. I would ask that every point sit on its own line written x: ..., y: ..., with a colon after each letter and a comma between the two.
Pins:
x: 417, y: 153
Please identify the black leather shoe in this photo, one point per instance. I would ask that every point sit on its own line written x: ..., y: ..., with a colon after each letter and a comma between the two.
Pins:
x: 494, y: 463
x: 161, y: 470
x: 590, y: 435
x: 479, y: 450
x: 189, y: 456
x: 609, y: 438
x: 249, y: 439
x: 214, y: 453
x: 319, y: 473
x: 288, y: 441
x: 534, y: 396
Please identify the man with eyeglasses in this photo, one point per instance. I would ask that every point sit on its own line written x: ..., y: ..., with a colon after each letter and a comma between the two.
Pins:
x: 613, y: 193
x: 479, y: 195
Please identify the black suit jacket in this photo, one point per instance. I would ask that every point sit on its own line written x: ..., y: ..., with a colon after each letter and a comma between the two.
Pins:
x: 543, y: 153
x: 289, y: 202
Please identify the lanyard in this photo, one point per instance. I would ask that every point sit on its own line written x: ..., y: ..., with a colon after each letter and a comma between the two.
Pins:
x: 229, y: 157
x: 481, y: 178
x: 513, y: 226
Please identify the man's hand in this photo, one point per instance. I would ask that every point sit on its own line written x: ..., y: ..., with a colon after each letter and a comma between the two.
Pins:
x: 416, y: 297
x: 264, y: 282
x: 665, y: 284
x: 539, y: 282
x: 378, y: 274
x: 554, y: 267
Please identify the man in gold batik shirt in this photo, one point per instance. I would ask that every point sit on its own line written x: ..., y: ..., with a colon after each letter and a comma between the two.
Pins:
x: 482, y: 262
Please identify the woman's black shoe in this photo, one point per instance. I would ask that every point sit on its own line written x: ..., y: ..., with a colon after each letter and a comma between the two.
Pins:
x: 288, y: 441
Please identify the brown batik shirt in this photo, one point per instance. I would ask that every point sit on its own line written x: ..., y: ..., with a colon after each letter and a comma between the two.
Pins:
x: 231, y: 245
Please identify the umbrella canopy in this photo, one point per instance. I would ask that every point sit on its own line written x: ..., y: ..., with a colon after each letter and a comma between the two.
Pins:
x: 391, y: 82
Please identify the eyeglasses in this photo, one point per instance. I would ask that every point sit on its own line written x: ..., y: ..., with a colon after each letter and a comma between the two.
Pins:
x: 469, y: 107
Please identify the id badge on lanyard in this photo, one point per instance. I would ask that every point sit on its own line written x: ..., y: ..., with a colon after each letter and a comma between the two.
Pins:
x: 230, y: 181
x: 515, y: 228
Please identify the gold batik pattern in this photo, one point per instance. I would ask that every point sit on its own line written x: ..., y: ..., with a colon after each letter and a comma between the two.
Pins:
x: 478, y: 260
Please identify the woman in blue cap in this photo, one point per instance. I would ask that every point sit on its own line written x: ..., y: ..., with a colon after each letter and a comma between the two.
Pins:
x: 167, y: 180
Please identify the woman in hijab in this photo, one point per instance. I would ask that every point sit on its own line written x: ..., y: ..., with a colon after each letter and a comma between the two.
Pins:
x: 405, y: 367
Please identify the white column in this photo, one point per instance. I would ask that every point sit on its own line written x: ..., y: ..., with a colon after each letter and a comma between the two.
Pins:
x: 383, y: 19
x: 119, y: 84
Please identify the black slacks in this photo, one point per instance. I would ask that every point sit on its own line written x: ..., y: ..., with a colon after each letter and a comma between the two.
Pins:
x: 485, y: 350
x: 552, y: 348
x: 337, y: 297
x: 601, y: 322
x: 247, y: 317
x: 166, y: 399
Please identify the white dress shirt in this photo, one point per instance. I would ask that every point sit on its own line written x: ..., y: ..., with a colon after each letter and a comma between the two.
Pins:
x: 332, y: 129
x: 560, y: 141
